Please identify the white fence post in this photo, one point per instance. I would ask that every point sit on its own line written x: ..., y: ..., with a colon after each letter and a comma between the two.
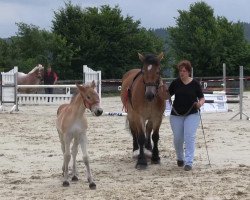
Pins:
x: 9, y: 89
x: 89, y: 75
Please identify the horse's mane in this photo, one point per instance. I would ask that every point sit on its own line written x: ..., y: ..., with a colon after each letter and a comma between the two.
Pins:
x: 38, y: 67
x: 151, y: 59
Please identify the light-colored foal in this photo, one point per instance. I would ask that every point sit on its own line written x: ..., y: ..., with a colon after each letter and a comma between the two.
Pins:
x: 72, y: 124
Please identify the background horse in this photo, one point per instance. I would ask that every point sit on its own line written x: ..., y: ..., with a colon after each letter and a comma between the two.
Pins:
x: 71, y: 124
x: 144, y: 95
x: 34, y: 77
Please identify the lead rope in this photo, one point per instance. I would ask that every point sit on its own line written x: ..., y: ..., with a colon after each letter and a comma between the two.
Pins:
x: 209, y: 163
x: 180, y: 114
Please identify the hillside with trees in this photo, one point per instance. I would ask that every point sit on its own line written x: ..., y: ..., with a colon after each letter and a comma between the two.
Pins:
x: 98, y: 37
x: 208, y: 41
x: 246, y: 27
x: 105, y: 40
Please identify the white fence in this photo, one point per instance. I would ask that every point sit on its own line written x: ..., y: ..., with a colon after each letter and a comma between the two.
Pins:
x: 9, y: 87
x: 89, y: 75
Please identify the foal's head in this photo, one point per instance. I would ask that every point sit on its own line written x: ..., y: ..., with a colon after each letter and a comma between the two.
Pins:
x: 151, y: 74
x: 90, y: 98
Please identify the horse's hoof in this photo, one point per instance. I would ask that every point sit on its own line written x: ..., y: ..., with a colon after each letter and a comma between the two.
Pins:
x: 141, y: 166
x: 135, y: 154
x: 74, y: 178
x: 65, y: 183
x: 148, y: 153
x: 156, y: 160
x: 92, y: 186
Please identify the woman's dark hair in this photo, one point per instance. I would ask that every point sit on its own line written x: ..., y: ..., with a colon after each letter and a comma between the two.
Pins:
x: 186, y: 64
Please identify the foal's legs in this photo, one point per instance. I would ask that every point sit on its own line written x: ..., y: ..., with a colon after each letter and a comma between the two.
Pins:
x: 67, y: 156
x: 74, y: 151
x: 83, y: 143
x: 63, y: 150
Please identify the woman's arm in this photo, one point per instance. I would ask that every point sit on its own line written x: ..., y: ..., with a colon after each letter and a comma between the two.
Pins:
x: 199, y: 103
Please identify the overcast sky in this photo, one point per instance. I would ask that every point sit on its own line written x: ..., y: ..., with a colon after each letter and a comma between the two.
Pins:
x: 151, y: 13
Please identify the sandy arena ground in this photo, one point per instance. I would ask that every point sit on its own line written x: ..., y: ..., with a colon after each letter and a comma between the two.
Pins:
x: 31, y: 159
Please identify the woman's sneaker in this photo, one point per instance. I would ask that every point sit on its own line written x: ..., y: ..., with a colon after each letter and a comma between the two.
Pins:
x: 187, y: 167
x: 180, y: 163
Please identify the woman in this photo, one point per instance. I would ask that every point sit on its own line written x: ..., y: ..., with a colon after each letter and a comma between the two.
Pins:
x: 184, y: 117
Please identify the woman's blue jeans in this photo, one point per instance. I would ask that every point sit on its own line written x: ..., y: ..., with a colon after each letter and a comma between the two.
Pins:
x: 184, y: 130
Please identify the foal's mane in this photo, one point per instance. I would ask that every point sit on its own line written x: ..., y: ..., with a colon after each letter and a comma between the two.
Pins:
x: 76, y: 93
x: 74, y: 96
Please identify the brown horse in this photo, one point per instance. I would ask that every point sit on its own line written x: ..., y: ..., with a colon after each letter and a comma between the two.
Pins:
x: 71, y: 124
x: 144, y: 95
x: 34, y: 77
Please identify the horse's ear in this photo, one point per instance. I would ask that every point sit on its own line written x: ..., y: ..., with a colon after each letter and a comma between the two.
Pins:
x: 93, y: 85
x: 160, y: 56
x: 141, y: 57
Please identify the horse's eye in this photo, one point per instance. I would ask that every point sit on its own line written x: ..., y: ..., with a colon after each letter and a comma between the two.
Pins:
x: 88, y: 97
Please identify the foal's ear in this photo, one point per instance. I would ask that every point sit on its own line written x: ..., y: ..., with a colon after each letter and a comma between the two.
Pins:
x: 160, y: 56
x: 80, y: 87
x: 93, y: 85
x: 141, y: 57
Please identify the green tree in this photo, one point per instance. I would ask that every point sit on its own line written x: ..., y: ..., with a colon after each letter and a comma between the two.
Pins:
x: 208, y: 41
x: 4, y: 55
x: 32, y: 46
x: 105, y: 40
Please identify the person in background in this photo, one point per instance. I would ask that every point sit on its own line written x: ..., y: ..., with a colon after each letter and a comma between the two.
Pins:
x: 184, y: 116
x: 50, y: 78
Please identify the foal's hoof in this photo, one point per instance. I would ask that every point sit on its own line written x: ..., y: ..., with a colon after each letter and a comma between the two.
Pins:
x: 92, y: 186
x: 65, y: 183
x: 74, y: 178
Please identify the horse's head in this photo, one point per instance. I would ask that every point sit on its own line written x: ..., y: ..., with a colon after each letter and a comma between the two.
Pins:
x: 38, y: 72
x: 151, y: 74
x: 90, y: 98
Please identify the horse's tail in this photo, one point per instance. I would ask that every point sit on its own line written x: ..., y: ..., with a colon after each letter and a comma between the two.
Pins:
x: 127, y: 124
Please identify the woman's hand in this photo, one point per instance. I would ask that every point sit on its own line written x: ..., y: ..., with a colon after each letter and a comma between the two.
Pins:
x: 197, y: 105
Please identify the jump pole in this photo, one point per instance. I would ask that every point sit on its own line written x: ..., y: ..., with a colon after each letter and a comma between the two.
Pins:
x: 241, y: 95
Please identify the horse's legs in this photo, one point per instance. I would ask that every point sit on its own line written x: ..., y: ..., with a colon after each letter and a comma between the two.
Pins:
x: 135, y: 140
x: 155, y: 152
x: 67, y: 157
x: 149, y: 128
x: 142, y: 161
x: 74, y: 151
x: 83, y: 143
